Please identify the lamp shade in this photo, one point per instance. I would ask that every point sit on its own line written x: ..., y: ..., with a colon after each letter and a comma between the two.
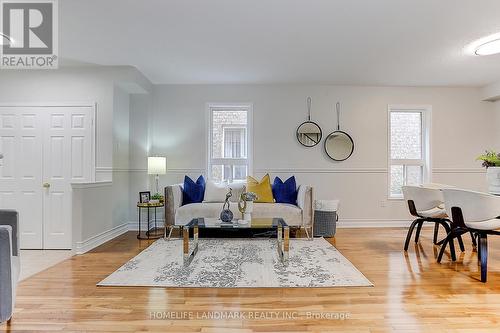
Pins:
x: 157, y: 165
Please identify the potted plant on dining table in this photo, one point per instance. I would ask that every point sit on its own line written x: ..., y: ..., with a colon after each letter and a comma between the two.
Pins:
x: 491, y: 161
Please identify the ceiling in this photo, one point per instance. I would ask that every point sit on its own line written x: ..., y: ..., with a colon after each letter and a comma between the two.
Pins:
x: 361, y: 42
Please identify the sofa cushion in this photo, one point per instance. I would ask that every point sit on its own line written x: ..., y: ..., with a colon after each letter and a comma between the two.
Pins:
x: 193, y: 192
x: 262, y: 189
x: 285, y: 192
x: 290, y: 213
x: 238, y: 189
x: 215, y: 192
x: 186, y: 213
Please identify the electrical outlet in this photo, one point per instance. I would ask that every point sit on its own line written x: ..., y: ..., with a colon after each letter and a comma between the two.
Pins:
x: 383, y: 203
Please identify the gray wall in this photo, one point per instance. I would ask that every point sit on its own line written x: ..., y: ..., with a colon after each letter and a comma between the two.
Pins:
x: 462, y: 127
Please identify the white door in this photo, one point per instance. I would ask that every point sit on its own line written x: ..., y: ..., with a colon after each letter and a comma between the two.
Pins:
x: 52, y: 152
x: 21, y: 170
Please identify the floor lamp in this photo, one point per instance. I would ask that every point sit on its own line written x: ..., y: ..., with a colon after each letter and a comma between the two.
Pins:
x: 157, y: 166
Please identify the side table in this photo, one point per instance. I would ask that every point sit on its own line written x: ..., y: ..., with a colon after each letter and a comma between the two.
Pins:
x: 150, y: 233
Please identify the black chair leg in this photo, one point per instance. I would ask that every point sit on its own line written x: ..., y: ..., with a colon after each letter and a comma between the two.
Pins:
x: 461, y: 243
x: 446, y: 227
x: 452, y: 247
x: 417, y: 234
x: 447, y: 230
x: 483, y: 246
x: 410, y: 232
x: 443, y: 247
x: 474, y: 244
x: 450, y: 239
x: 436, y: 232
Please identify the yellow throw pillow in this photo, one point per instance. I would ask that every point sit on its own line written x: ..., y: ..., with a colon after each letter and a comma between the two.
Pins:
x: 262, y: 189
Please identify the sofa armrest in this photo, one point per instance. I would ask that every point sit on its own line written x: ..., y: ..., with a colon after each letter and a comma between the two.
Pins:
x: 10, y: 218
x: 173, y: 200
x: 6, y: 273
x: 305, y: 202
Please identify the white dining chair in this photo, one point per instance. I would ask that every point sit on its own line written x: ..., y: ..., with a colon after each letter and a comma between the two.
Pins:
x: 437, y: 186
x: 476, y: 212
x: 427, y: 205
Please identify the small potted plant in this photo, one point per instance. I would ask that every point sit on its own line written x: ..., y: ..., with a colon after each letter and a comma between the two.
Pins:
x: 156, y: 198
x: 491, y: 161
x: 245, y: 204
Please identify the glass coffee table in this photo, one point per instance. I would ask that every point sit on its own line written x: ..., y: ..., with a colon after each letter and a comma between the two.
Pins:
x: 278, y: 224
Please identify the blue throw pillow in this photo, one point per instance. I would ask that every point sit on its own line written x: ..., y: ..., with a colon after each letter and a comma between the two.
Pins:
x: 193, y: 192
x: 285, y: 192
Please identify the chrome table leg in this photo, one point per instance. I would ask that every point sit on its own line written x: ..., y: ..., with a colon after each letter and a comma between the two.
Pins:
x: 189, y: 255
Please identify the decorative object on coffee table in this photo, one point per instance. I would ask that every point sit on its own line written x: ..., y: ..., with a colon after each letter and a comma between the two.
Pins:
x: 226, y: 215
x: 245, y: 204
x: 491, y: 161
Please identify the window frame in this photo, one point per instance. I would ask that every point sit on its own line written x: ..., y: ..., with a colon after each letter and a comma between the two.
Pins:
x: 425, y: 161
x: 245, y: 134
x: 232, y: 127
x: 248, y: 161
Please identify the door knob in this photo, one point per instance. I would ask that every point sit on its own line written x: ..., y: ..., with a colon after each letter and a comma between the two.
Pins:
x: 46, y: 185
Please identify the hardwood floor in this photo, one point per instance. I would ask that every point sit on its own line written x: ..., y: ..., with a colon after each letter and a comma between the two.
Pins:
x: 412, y: 293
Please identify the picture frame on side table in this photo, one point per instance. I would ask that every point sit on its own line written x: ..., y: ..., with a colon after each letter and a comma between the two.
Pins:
x: 144, y: 197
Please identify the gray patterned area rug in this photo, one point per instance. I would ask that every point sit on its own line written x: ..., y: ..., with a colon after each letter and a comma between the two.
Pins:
x: 239, y: 263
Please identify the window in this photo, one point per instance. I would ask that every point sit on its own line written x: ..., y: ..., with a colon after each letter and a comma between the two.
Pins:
x: 409, y: 162
x: 229, y: 142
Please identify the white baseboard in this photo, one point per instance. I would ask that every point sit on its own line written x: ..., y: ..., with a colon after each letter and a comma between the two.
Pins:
x: 95, y: 241
x: 134, y: 225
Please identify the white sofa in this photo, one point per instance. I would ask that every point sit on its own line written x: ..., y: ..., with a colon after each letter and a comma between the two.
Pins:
x: 300, y: 215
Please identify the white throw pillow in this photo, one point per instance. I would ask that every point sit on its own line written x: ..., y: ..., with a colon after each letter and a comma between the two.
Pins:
x: 238, y: 188
x: 215, y: 192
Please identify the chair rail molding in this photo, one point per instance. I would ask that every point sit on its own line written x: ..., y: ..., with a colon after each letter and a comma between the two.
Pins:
x: 169, y: 170
x: 321, y: 170
x: 360, y: 170
x: 459, y: 170
x: 293, y: 170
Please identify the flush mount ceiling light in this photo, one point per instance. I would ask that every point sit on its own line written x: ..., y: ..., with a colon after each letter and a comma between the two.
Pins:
x: 485, y: 46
